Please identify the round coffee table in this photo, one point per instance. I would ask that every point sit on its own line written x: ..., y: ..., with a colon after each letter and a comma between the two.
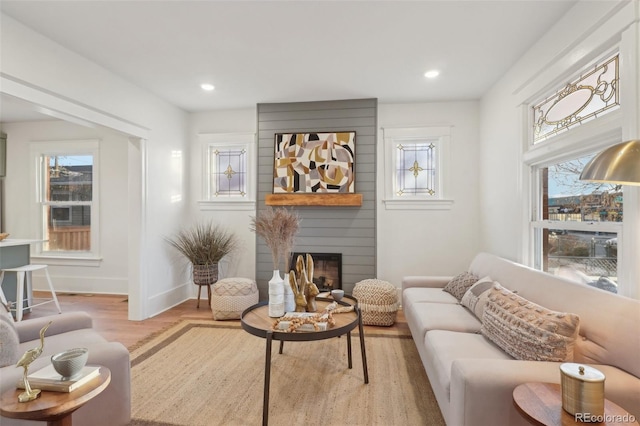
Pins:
x: 541, y: 404
x: 255, y: 320
x: 55, y: 408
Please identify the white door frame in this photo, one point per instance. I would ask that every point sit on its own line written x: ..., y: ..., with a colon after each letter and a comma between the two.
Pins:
x: 69, y: 110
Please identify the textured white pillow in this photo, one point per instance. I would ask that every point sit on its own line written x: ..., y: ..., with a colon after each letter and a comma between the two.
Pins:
x: 9, y: 350
x: 475, y: 299
x: 526, y: 330
x: 460, y: 284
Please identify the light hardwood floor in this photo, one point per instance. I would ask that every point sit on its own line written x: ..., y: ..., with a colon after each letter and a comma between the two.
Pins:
x: 109, y: 313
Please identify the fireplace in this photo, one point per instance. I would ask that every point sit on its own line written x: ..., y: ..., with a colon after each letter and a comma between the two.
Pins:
x: 327, y: 269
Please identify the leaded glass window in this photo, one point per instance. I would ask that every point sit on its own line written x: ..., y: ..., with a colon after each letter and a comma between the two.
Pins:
x: 592, y: 94
x: 416, y: 169
x: 228, y: 172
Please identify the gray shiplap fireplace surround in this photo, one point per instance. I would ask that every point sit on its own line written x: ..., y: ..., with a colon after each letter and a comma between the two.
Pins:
x: 325, y: 229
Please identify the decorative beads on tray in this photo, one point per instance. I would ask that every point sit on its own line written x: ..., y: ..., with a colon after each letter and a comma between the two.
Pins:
x: 305, y: 321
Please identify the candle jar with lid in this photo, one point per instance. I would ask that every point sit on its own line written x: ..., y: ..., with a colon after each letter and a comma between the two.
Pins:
x: 582, y: 389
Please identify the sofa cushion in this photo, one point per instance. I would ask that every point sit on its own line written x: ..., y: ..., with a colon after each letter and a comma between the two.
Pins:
x: 443, y: 316
x: 444, y: 347
x: 475, y: 299
x: 433, y: 295
x: 460, y: 284
x: 526, y: 330
x: 9, y: 342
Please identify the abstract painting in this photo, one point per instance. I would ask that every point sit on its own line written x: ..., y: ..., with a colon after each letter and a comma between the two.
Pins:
x: 309, y: 163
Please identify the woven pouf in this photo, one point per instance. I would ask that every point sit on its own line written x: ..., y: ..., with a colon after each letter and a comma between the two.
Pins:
x: 231, y: 296
x: 378, y: 301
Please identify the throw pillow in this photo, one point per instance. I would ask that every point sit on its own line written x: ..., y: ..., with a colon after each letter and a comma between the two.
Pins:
x: 528, y: 331
x: 459, y: 285
x: 475, y: 299
x: 9, y: 341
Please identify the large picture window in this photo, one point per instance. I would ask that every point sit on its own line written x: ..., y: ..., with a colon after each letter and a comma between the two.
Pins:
x: 578, y: 225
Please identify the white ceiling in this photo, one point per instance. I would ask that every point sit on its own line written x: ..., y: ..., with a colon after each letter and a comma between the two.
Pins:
x: 283, y: 51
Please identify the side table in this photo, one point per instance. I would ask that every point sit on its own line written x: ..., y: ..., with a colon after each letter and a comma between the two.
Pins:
x: 541, y: 404
x: 55, y: 408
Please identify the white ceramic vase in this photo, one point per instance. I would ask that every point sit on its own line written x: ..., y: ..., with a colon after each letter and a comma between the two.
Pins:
x: 289, y: 298
x: 276, y: 295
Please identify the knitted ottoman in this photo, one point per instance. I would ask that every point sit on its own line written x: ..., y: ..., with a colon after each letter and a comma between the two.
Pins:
x: 231, y: 296
x: 378, y: 301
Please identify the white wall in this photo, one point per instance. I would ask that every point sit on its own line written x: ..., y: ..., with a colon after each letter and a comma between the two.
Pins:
x: 37, y: 62
x: 584, y: 34
x: 409, y: 242
x: 242, y: 263
x: 111, y: 274
x: 432, y: 242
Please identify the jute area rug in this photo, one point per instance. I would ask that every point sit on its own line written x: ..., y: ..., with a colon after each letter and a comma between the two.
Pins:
x: 212, y: 373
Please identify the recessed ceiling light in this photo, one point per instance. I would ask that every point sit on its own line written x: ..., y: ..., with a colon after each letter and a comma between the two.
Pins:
x: 208, y: 87
x: 432, y: 74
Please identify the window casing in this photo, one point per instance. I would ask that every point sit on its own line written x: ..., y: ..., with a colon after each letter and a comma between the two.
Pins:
x: 67, y: 193
x: 576, y: 226
x: 416, y: 168
x: 228, y: 171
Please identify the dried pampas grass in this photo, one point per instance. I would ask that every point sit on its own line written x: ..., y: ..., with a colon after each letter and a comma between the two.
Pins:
x: 204, y: 243
x: 278, y: 228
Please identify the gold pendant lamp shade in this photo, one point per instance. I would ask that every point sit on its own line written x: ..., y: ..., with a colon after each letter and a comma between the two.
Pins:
x: 618, y: 164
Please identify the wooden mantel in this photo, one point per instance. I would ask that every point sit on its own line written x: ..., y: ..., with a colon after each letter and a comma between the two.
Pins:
x: 313, y: 200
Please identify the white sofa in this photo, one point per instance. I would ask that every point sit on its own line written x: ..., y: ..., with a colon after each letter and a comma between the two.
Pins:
x: 473, y: 379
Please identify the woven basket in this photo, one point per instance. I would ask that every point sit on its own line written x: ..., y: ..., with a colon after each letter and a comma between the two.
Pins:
x: 205, y: 274
x: 378, y: 301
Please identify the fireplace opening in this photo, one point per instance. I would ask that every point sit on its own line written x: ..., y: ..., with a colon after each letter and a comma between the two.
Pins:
x: 327, y: 269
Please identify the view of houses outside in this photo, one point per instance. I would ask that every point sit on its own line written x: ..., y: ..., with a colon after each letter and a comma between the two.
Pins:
x: 68, y: 192
x: 590, y: 257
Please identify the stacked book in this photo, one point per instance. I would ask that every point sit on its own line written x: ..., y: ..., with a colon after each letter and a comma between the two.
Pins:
x: 48, y: 379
